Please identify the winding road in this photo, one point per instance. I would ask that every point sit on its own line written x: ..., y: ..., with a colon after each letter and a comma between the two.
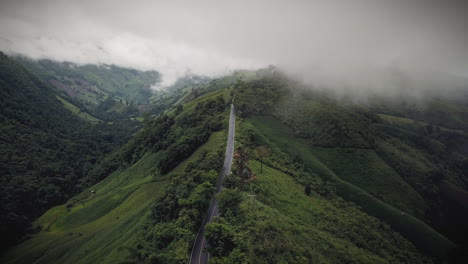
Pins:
x: 198, y: 255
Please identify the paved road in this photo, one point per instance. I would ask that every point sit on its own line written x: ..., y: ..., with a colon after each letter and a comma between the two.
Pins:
x: 198, y: 256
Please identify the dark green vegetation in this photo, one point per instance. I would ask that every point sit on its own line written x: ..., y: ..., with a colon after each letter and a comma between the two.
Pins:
x: 175, y: 218
x: 106, y: 222
x: 161, y: 179
x: 45, y: 150
x: 314, y: 180
x: 389, y: 159
x: 60, y: 120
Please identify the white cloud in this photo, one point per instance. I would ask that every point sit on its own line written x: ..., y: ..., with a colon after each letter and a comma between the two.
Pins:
x: 333, y: 43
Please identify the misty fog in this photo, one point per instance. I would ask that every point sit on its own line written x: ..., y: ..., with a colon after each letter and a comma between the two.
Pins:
x: 379, y: 46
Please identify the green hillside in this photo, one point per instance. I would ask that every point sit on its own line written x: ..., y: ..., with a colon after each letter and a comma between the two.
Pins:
x: 314, y: 179
x: 102, y: 223
x: 94, y: 226
x: 107, y: 220
x: 72, y: 108
x: 366, y: 170
x: 46, y: 148
x: 389, y: 158
x: 279, y: 137
x: 93, y: 83
x: 276, y: 222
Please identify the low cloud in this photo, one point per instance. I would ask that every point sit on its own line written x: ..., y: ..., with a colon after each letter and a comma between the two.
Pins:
x: 357, y: 45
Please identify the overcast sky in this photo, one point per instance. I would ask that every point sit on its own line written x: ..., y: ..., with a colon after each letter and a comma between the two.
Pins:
x: 325, y: 42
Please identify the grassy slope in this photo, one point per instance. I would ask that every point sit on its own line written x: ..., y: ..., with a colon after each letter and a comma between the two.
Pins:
x: 100, y: 229
x: 277, y: 135
x: 397, y: 119
x: 117, y: 107
x: 191, y: 105
x: 98, y: 226
x: 75, y: 110
x: 366, y: 170
x: 312, y: 228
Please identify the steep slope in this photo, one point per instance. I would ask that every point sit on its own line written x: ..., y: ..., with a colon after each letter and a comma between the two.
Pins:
x: 271, y: 132
x: 114, y: 94
x: 106, y: 222
x: 103, y: 222
x: 93, y: 83
x: 44, y: 149
x: 391, y: 166
x: 276, y: 222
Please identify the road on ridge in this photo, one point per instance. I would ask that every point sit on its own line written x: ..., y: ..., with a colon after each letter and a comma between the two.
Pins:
x: 198, y: 255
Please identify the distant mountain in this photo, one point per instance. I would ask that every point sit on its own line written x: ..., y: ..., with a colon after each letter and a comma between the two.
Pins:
x: 93, y: 83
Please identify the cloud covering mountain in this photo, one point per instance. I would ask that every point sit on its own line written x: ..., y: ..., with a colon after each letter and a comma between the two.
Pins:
x: 333, y: 43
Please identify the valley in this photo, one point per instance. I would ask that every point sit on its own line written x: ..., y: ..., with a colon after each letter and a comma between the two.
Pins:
x: 312, y: 179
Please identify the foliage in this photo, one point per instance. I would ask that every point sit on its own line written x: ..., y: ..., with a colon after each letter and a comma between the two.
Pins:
x: 176, y: 216
x: 259, y: 95
x: 44, y: 149
x: 395, y: 153
x: 271, y: 132
x: 327, y: 124
x: 101, y: 224
x: 221, y: 237
x: 280, y: 224
x: 229, y: 201
x: 177, y: 138
x: 97, y: 225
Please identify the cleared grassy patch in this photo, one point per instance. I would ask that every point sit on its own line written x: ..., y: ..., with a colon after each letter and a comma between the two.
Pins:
x: 408, y: 121
x: 75, y: 110
x: 216, y: 139
x: 188, y: 107
x: 397, y: 119
x: 118, y: 107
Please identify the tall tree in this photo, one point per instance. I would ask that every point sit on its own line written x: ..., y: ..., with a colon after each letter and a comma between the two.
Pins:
x: 263, y: 152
